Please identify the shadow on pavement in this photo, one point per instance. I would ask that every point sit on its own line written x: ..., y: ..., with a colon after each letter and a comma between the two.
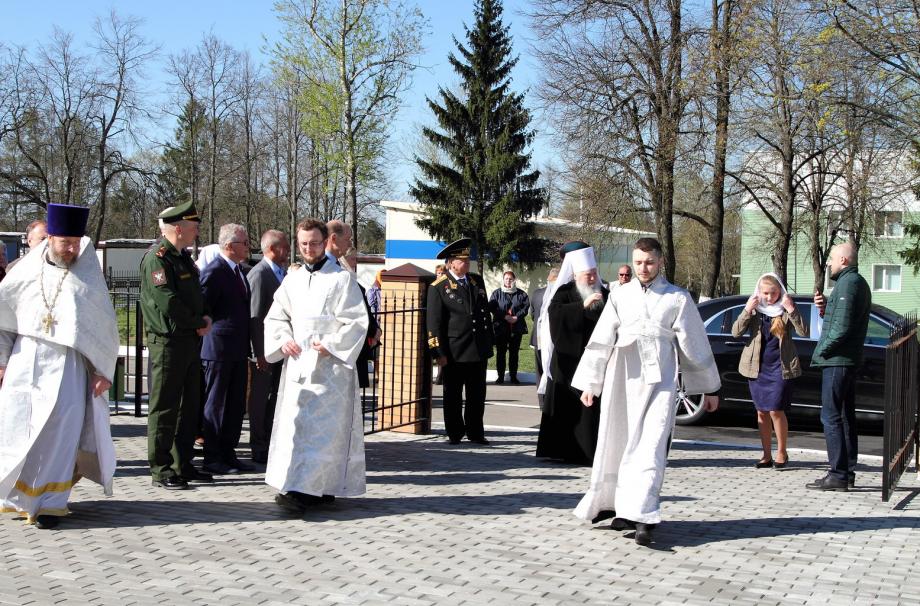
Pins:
x: 694, y: 533
x: 121, y: 514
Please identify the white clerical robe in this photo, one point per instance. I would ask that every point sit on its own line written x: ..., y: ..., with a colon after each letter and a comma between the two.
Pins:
x: 52, y: 430
x: 317, y: 443
x: 644, y: 336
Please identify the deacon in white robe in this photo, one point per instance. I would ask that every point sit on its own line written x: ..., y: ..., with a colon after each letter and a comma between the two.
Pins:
x: 58, y: 344
x: 317, y: 325
x: 649, y: 330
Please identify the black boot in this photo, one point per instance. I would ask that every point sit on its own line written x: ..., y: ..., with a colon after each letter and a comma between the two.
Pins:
x: 643, y: 534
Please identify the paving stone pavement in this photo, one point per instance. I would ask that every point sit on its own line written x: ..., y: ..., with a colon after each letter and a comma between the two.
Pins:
x: 468, y: 524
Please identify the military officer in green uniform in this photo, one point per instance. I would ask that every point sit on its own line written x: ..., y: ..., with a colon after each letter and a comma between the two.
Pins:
x: 460, y: 339
x: 174, y: 321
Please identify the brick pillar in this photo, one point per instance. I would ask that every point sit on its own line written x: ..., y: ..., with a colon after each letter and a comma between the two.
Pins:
x: 403, y: 364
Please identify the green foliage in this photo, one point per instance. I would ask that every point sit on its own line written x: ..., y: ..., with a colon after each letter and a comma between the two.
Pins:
x: 486, y: 190
x: 183, y: 158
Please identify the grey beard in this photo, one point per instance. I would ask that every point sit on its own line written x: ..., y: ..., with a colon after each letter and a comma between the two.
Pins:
x: 59, y: 261
x: 586, y: 290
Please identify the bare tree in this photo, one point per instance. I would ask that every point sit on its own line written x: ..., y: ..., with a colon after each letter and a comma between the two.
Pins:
x: 219, y: 63
x: 616, y: 81
x: 122, y: 53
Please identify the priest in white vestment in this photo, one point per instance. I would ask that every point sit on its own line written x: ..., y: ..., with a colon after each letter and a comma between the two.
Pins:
x: 317, y: 325
x: 649, y: 330
x: 58, y: 346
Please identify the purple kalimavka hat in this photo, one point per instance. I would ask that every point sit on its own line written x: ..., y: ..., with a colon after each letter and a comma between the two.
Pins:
x: 66, y: 220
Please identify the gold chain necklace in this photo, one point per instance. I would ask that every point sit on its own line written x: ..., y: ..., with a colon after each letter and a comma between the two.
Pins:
x: 48, y: 319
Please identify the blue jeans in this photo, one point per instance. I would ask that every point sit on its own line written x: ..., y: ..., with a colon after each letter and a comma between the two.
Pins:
x: 838, y: 414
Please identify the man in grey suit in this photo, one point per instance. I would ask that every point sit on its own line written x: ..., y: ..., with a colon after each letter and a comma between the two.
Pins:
x: 264, y: 279
x: 536, y: 303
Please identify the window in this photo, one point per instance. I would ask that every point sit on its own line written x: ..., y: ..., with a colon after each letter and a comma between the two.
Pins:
x: 888, y: 224
x: 804, y: 311
x: 721, y: 323
x: 878, y: 333
x: 886, y: 278
x: 837, y: 227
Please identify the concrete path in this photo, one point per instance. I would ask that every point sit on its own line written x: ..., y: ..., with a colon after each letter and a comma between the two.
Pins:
x: 466, y: 524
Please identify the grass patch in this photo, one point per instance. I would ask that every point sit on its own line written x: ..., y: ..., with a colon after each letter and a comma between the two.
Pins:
x: 527, y: 360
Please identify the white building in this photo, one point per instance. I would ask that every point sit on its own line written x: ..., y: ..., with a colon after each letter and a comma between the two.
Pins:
x: 408, y: 243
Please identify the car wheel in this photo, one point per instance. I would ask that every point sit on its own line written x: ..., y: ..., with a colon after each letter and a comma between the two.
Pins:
x: 689, y: 408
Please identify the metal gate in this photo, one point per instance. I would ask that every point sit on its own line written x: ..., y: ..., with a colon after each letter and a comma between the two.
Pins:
x: 900, y: 441
x: 399, y: 395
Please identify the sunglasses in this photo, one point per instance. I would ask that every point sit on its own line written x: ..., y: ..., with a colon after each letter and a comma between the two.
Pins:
x: 624, y: 275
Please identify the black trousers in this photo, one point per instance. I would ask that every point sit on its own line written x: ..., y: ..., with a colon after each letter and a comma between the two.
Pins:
x: 471, y: 377
x: 512, y: 345
x: 263, y: 393
x: 224, y: 406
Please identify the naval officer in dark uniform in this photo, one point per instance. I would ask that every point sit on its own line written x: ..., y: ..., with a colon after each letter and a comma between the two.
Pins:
x: 460, y: 339
x: 174, y: 321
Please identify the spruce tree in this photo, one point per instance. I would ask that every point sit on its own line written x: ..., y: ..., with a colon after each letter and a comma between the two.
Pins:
x: 485, y: 189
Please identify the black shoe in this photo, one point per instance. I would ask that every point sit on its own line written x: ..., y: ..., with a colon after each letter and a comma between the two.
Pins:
x: 482, y: 441
x: 828, y: 483
x: 306, y: 500
x: 290, y: 504
x: 643, y: 534
x: 764, y: 464
x: 171, y: 483
x: 195, y: 475
x: 514, y: 381
x: 454, y: 441
x: 499, y: 381
x: 240, y: 465
x: 604, y: 514
x: 622, y: 524
x: 46, y: 522
x: 220, y: 469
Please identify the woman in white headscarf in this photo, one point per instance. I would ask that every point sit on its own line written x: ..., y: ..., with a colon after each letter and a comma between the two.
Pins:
x: 770, y: 362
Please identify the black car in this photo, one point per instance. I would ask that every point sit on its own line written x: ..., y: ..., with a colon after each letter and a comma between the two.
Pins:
x: 719, y: 315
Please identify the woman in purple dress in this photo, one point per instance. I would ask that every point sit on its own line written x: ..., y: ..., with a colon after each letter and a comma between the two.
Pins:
x: 770, y: 362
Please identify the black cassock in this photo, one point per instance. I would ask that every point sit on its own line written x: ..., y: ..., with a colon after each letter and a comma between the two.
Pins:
x: 568, y: 428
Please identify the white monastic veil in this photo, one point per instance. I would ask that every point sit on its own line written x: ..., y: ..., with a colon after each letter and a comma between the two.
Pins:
x: 574, y: 262
x: 770, y: 310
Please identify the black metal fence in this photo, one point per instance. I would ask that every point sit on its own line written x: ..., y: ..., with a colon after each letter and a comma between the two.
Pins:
x: 902, y: 403
x: 392, y: 400
x: 399, y: 395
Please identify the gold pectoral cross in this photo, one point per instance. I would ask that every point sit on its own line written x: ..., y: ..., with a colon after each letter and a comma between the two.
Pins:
x: 48, y: 322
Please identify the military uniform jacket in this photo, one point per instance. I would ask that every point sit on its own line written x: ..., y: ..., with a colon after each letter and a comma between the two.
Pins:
x: 171, y: 298
x: 459, y: 322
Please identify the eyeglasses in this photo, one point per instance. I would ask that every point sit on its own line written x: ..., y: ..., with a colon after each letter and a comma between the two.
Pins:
x: 625, y: 275
x: 313, y: 243
x: 246, y: 242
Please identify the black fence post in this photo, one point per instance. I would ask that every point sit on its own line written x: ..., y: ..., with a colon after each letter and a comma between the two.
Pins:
x: 138, y: 358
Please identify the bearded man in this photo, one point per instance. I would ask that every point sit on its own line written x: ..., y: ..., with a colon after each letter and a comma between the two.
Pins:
x: 649, y: 330
x: 58, y: 346
x: 568, y: 430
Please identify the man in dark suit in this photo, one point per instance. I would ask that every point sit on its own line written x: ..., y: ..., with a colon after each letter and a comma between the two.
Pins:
x: 225, y: 351
x: 536, y: 303
x: 460, y: 339
x: 264, y: 279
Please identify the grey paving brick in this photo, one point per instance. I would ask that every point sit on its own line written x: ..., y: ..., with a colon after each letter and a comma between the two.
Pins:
x: 457, y: 526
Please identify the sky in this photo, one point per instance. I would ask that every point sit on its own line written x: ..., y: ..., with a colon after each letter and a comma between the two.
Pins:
x: 247, y: 24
